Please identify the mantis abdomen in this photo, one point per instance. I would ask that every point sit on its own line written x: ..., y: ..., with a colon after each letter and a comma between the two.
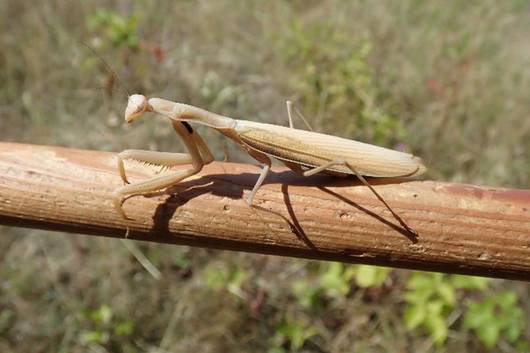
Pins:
x: 312, y: 149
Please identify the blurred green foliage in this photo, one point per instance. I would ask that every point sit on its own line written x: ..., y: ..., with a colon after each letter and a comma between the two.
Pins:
x: 431, y: 298
x: 371, y: 276
x: 181, y: 260
x: 291, y: 335
x: 102, y: 327
x: 331, y: 75
x: 116, y: 29
x: 217, y: 277
x: 496, y: 316
x: 335, y: 279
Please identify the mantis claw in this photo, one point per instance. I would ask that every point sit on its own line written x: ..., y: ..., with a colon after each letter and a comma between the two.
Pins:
x: 118, y: 205
x: 121, y: 168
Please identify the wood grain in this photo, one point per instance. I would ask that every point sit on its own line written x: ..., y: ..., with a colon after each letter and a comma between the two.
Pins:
x: 460, y: 228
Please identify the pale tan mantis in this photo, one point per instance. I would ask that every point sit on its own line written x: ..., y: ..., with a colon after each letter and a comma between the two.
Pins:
x: 304, y: 152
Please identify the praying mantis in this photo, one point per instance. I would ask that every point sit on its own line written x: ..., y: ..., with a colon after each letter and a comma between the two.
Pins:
x: 304, y: 152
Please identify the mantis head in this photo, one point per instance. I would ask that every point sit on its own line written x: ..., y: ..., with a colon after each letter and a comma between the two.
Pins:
x: 136, y: 106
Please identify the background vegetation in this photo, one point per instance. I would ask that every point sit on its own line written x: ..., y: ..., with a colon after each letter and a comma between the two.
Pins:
x: 449, y: 81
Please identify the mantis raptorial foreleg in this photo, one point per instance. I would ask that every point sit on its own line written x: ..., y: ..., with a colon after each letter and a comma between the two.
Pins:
x: 150, y: 185
x: 206, y: 155
x: 164, y: 159
x: 198, y: 156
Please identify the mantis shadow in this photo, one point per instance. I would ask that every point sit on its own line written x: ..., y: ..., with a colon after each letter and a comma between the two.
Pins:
x: 216, y: 184
x: 234, y: 185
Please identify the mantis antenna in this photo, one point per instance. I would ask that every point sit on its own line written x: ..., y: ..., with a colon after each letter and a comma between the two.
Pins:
x: 108, y: 67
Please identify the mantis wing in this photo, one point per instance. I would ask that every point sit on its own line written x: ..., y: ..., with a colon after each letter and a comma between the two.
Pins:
x: 314, y: 149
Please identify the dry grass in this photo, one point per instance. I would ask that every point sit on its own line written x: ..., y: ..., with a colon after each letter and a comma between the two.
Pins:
x: 450, y: 81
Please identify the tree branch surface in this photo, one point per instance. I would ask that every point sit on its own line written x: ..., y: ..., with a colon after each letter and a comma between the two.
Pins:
x: 459, y: 228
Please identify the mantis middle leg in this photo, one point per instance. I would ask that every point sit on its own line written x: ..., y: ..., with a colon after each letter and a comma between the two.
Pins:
x: 266, y: 166
x: 290, y: 112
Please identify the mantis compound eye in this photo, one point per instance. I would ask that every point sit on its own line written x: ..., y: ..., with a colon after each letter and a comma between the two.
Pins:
x: 136, y: 105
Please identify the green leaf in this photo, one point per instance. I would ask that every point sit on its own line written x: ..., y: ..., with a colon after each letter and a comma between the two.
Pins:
x: 477, y: 315
x: 102, y: 315
x: 470, y: 282
x: 497, y: 315
x: 414, y: 316
x: 420, y: 281
x: 447, y: 293
x: 90, y: 337
x: 333, y: 280
x: 513, y: 332
x: 181, y: 260
x: 435, y: 307
x: 507, y: 300
x: 295, y: 331
x: 306, y: 295
x: 489, y: 334
x: 366, y: 276
x: 420, y: 295
x: 430, y: 298
x: 437, y: 328
x: 215, y: 277
x: 236, y: 281
x: 370, y: 276
x: 125, y: 328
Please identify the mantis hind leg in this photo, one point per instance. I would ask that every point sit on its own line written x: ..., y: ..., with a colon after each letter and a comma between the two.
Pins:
x: 398, y: 218
x: 298, y: 169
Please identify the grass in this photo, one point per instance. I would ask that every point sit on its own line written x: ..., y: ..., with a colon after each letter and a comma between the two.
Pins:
x: 447, y: 81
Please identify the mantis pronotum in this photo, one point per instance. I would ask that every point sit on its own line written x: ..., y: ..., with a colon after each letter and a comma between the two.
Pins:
x: 304, y: 152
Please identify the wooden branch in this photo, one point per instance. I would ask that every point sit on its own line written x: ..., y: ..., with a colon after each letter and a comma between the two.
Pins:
x: 461, y: 228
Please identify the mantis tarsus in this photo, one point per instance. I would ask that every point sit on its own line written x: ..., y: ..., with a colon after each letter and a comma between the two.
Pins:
x: 304, y: 152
